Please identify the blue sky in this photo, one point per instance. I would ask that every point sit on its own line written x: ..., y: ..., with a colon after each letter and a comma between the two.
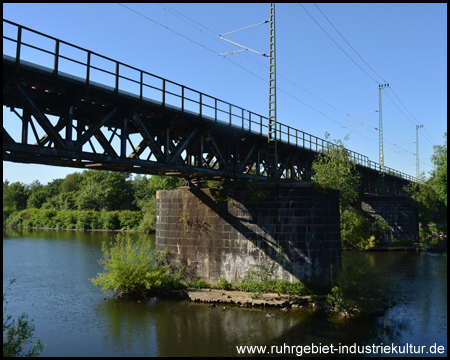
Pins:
x: 318, y: 85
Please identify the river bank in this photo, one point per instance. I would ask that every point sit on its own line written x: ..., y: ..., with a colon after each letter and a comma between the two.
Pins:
x: 427, y: 246
x: 277, y: 302
x: 85, y: 230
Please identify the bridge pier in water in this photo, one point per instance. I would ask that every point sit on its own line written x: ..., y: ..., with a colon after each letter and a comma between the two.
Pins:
x: 216, y: 234
x: 396, y: 209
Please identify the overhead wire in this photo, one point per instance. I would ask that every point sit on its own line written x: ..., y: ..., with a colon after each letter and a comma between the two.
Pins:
x: 251, y: 57
x: 349, y: 44
x: 367, y: 65
x: 262, y: 64
x: 338, y: 45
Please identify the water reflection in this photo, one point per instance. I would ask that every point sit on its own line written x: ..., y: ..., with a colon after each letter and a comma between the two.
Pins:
x: 190, y: 329
x: 129, y: 328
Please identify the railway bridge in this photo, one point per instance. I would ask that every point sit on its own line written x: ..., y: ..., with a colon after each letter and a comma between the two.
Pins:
x: 146, y: 124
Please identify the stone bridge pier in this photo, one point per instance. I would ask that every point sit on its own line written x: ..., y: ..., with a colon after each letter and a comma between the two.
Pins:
x: 398, y: 210
x: 217, y: 234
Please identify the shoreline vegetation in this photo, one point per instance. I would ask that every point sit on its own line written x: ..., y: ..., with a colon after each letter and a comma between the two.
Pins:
x: 133, y: 270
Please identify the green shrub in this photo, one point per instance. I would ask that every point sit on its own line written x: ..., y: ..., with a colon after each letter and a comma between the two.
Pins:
x: 223, y: 284
x: 84, y: 219
x: 6, y: 214
x: 110, y: 220
x: 130, y: 220
x: 66, y: 218
x: 71, y: 219
x: 357, y: 231
x: 199, y: 284
x: 12, y: 218
x: 134, y: 268
x: 82, y: 225
x: 357, y: 283
x: 148, y: 223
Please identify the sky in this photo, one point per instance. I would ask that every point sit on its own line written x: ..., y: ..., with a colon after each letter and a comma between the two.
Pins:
x: 330, y: 61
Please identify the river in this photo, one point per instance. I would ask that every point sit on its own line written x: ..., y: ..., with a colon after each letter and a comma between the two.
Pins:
x: 52, y: 271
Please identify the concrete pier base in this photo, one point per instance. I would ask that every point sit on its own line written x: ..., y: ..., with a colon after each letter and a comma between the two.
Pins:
x: 216, y: 234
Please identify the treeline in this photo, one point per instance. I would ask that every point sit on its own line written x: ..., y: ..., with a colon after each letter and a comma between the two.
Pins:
x: 431, y: 195
x: 92, y: 199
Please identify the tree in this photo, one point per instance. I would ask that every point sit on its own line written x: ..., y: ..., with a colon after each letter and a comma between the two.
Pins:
x: 429, y: 205
x: 335, y: 170
x: 15, y: 196
x: 105, y: 190
x: 439, y: 176
x: 41, y: 193
x: 71, y: 183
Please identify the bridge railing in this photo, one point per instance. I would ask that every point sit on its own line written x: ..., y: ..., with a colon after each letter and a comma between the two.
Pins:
x: 142, y: 85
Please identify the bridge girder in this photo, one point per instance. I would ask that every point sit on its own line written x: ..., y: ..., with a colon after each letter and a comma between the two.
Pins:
x: 92, y: 127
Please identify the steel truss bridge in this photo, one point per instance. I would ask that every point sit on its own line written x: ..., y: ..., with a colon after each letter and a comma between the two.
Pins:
x: 143, y: 123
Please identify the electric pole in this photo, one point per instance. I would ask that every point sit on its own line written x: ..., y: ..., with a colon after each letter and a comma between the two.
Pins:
x: 417, y: 149
x: 272, y: 125
x: 272, y: 130
x: 380, y: 127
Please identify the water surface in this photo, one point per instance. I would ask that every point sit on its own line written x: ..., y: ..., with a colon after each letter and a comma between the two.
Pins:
x: 52, y: 271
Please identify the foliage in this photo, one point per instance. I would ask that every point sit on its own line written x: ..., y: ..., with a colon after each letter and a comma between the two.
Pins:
x: 62, y: 201
x: 104, y: 190
x: 211, y: 184
x: 67, y: 219
x: 15, y: 195
x: 223, y: 284
x: 134, y: 268
x: 274, y: 285
x: 40, y: 193
x: 145, y: 197
x: 71, y: 183
x: 148, y: 223
x: 199, y: 284
x: 357, y: 231
x: 357, y: 284
x: 335, y: 170
x: 17, y: 334
x: 427, y: 200
x: 158, y: 183
x: 130, y: 220
x: 439, y: 175
x: 255, y: 192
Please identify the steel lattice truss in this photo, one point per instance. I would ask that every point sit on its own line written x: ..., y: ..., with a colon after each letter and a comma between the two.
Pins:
x: 100, y: 130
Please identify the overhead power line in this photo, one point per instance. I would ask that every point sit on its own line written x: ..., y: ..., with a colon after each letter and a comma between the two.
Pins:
x: 365, y: 62
x: 365, y: 72
x: 258, y: 76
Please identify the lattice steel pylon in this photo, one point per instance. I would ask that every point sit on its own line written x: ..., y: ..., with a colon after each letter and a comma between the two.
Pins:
x: 417, y: 149
x: 380, y: 127
x: 272, y: 130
